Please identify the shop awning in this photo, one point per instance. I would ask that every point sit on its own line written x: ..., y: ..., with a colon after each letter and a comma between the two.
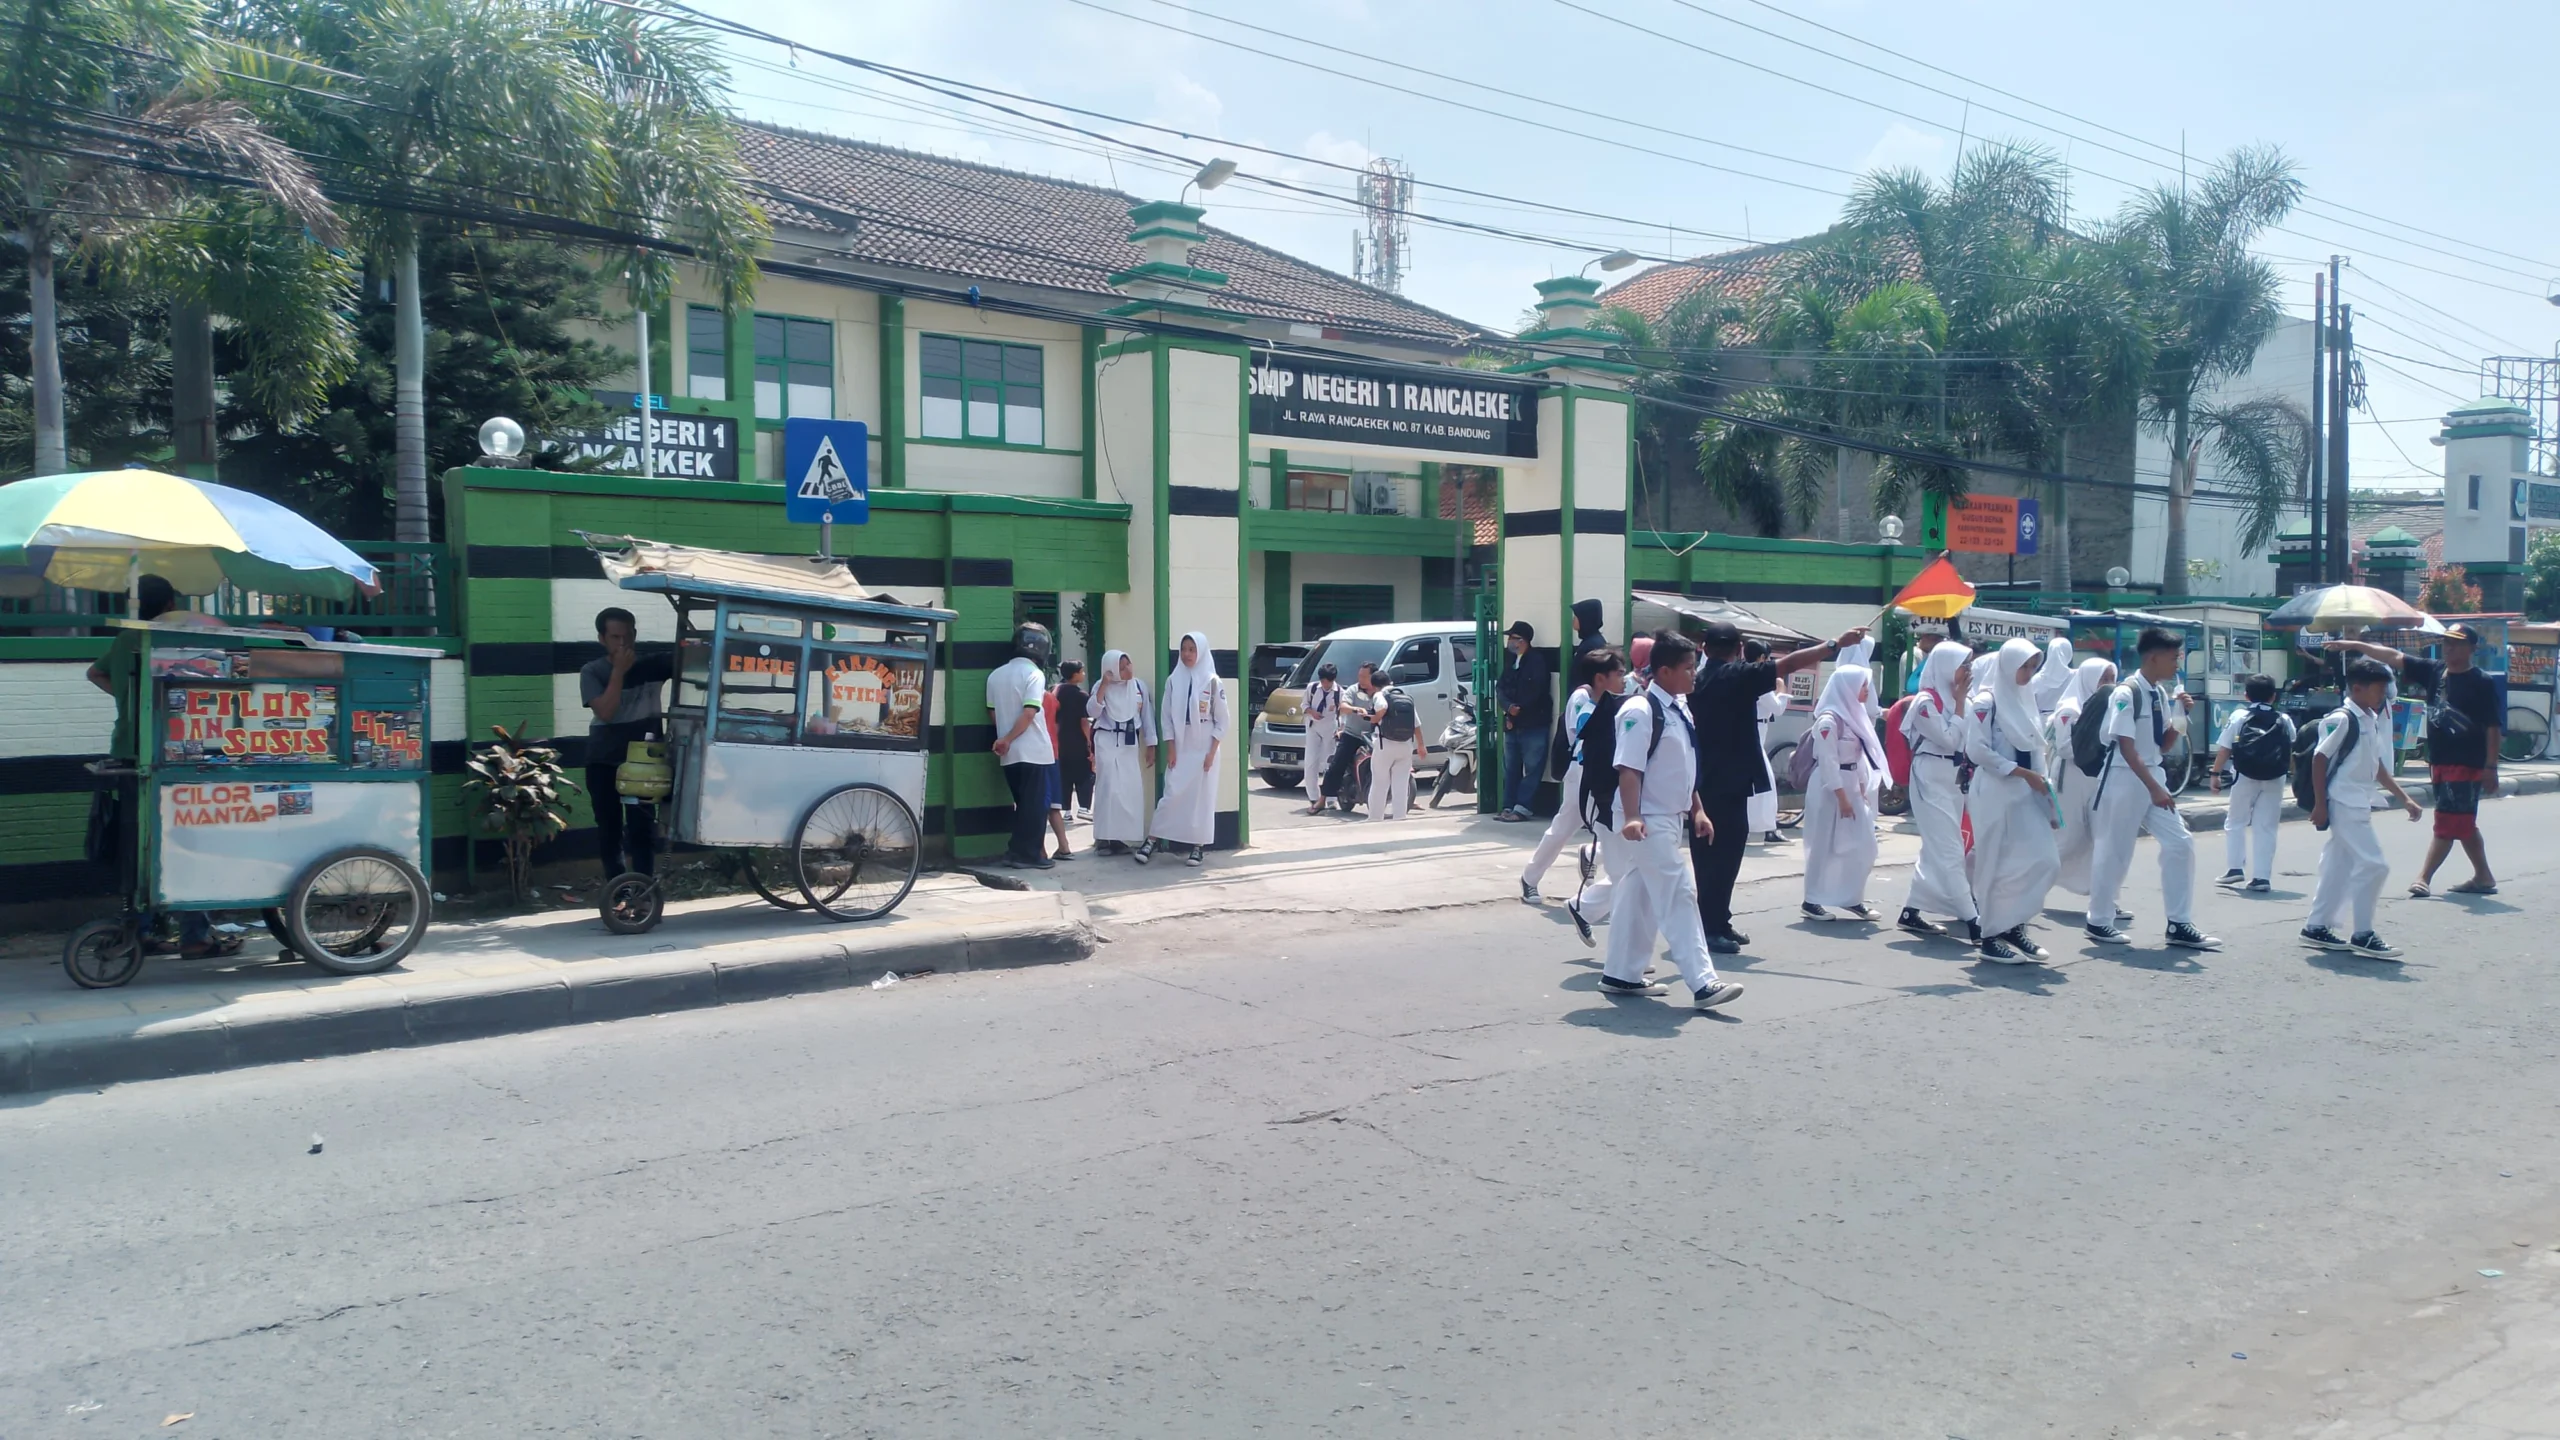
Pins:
x: 636, y: 564
x: 1708, y: 609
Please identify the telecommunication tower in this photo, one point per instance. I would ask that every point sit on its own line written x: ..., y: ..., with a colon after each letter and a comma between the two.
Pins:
x: 2532, y: 381
x: 1380, y: 253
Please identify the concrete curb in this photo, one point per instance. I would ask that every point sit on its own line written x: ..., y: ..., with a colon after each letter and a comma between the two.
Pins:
x: 85, y: 1054
x: 2209, y: 815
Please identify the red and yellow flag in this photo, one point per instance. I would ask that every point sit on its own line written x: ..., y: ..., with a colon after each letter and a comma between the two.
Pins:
x: 1937, y: 592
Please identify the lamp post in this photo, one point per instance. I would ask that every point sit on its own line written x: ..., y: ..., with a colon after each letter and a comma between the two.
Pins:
x: 1617, y: 260
x: 1212, y: 175
x: 501, y: 441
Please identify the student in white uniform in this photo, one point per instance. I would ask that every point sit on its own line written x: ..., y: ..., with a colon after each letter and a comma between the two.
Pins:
x: 2014, y: 858
x: 1323, y: 710
x: 1124, y: 752
x: 2076, y: 791
x: 1762, y: 809
x: 2258, y: 734
x: 2133, y: 798
x: 1194, y: 730
x: 2350, y: 769
x: 1840, y: 797
x: 1394, y: 742
x: 2054, y: 676
x: 1934, y: 724
x: 1590, y: 905
x: 1648, y: 840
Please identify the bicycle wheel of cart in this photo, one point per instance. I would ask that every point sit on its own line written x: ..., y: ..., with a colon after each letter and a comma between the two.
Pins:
x: 357, y: 910
x: 633, y: 904
x: 103, y: 954
x: 2525, y: 736
x: 857, y: 852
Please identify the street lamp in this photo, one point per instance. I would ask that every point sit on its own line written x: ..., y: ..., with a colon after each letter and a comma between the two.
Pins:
x: 501, y: 440
x: 1214, y: 174
x: 1889, y: 529
x: 2118, y: 577
x: 1617, y: 260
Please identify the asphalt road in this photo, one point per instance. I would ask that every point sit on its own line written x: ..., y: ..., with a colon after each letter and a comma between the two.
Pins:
x: 1414, y: 1178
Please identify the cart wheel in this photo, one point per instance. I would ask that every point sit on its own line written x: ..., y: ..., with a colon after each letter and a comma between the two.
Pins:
x: 1781, y: 761
x: 779, y: 890
x: 2525, y: 735
x: 633, y: 903
x: 857, y: 852
x: 103, y: 954
x: 345, y: 906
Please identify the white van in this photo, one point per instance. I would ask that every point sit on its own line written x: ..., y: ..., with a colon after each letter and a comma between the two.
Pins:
x: 1434, y: 662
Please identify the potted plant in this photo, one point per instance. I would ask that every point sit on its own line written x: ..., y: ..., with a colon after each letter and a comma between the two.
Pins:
x: 515, y: 790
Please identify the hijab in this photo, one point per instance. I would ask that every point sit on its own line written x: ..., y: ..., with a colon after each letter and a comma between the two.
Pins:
x: 1847, y: 695
x: 1119, y: 701
x: 2086, y: 681
x: 1184, y: 687
x: 2055, y: 677
x: 1938, y: 677
x: 2015, y: 724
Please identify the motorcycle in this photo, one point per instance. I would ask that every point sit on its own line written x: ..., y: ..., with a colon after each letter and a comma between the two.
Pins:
x: 1458, y: 752
x: 1353, y: 792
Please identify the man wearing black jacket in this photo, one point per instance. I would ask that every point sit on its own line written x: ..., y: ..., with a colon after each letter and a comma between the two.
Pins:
x: 1527, y: 693
x: 1725, y: 708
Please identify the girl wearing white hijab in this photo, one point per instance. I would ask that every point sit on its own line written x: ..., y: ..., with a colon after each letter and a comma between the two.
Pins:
x: 1934, y: 724
x: 1124, y: 750
x: 2014, y: 859
x: 2075, y: 792
x: 1840, y: 797
x: 2056, y: 675
x: 1195, y: 722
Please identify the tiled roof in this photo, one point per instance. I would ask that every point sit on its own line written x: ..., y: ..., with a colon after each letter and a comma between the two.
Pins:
x: 892, y: 207
x: 1741, y: 274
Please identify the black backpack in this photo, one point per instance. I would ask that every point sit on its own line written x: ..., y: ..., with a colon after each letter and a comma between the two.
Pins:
x: 1399, y: 722
x: 2089, y: 743
x: 1600, y: 755
x: 2309, y: 742
x: 2260, y: 751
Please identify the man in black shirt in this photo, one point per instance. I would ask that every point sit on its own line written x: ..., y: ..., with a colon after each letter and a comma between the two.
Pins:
x: 1528, y: 695
x: 622, y: 692
x: 1725, y: 707
x: 2463, y: 723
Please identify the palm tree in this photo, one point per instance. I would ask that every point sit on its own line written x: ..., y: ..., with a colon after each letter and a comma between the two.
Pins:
x: 2081, y: 352
x: 548, y: 113
x: 2208, y: 303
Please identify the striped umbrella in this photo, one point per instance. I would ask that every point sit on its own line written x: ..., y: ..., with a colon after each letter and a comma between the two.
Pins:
x: 105, y: 529
x: 2346, y: 607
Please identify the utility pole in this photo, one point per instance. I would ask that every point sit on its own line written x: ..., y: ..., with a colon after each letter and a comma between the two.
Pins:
x: 2341, y: 371
x: 2319, y: 496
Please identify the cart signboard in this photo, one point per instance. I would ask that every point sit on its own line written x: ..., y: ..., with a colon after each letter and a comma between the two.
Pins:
x: 258, y: 724
x: 2530, y: 667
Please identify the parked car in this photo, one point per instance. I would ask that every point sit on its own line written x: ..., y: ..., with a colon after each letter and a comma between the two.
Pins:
x: 1267, y: 669
x: 1430, y: 659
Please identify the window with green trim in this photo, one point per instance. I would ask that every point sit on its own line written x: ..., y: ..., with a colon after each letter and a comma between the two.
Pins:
x: 795, y: 368
x: 980, y: 390
x: 706, y: 353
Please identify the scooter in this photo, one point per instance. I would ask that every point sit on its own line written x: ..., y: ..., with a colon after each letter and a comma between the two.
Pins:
x: 1457, y: 752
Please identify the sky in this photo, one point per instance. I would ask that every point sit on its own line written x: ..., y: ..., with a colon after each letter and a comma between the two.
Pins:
x: 1634, y: 123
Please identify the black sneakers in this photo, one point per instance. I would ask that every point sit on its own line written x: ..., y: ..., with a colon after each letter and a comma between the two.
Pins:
x: 1812, y: 911
x: 2373, y: 947
x: 1529, y: 894
x: 1918, y: 924
x: 2324, y: 938
x: 1718, y: 992
x: 2018, y: 941
x: 1996, y: 950
x: 1861, y: 911
x: 1145, y: 852
x: 2257, y: 887
x: 1728, y: 943
x: 2188, y: 937
x: 2104, y: 934
x: 1612, y: 985
x: 1199, y: 856
x: 2232, y: 877
x: 1581, y: 927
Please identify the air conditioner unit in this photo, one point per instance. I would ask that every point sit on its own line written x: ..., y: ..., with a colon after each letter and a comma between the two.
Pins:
x: 1373, y: 495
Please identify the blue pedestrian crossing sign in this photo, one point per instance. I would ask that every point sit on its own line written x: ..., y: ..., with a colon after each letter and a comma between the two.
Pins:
x: 826, y: 471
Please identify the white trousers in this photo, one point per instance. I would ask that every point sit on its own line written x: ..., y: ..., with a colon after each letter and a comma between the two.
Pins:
x: 1761, y: 812
x: 1390, y: 778
x: 2249, y: 830
x: 1938, y: 884
x: 2125, y: 813
x: 1320, y: 738
x: 2351, y: 873
x: 1657, y: 896
x: 1561, y: 830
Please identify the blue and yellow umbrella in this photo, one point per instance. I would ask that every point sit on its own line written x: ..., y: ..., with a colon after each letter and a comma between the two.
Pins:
x: 101, y: 530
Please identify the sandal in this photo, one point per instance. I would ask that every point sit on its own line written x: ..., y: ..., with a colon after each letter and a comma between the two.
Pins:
x: 2419, y: 891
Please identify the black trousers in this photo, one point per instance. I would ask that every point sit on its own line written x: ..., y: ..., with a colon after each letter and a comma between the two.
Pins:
x: 1337, y: 771
x: 619, y: 826
x: 1030, y: 786
x: 1719, y: 862
x: 1075, y: 773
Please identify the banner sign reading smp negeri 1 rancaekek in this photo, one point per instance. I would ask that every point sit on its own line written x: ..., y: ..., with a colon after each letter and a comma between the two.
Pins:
x: 1306, y: 398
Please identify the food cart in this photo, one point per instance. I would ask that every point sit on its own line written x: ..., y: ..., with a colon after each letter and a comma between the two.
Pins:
x: 2115, y: 636
x: 2533, y: 657
x: 2231, y: 648
x: 272, y: 772
x: 797, y: 728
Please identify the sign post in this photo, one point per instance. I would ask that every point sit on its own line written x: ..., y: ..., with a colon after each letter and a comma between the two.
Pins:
x: 1982, y: 524
x: 826, y: 476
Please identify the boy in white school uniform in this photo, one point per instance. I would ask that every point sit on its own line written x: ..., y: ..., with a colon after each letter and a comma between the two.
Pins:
x: 1652, y: 816
x: 2134, y: 798
x: 2257, y: 737
x: 2350, y: 768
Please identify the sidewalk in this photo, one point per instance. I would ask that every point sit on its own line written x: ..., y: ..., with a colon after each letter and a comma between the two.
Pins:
x: 490, y: 977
